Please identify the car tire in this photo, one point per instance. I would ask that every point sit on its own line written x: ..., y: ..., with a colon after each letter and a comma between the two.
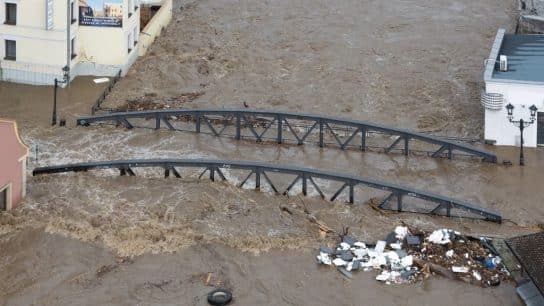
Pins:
x: 219, y: 297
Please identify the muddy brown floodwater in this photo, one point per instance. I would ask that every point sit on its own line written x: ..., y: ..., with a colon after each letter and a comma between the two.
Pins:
x: 96, y: 238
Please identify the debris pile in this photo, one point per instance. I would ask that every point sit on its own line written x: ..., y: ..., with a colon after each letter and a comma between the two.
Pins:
x: 406, y: 257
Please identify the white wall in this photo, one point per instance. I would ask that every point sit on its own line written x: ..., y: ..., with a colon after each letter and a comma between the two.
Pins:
x: 108, y: 46
x: 160, y: 20
x: 40, y: 53
x: 522, y: 96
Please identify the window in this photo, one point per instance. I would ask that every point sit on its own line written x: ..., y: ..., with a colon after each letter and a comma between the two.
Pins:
x: 73, y: 48
x: 73, y: 12
x: 11, y: 14
x: 11, y: 50
x: 135, y: 35
x: 130, y: 42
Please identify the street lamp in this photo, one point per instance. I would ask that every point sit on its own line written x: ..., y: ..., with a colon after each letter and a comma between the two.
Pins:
x: 521, y: 124
x: 65, y: 71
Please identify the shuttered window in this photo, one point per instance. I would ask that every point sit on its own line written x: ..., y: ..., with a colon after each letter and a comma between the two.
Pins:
x: 11, y: 13
x: 11, y: 50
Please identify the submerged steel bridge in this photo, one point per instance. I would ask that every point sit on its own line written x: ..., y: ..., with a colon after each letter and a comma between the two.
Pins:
x: 342, y: 132
x: 394, y: 197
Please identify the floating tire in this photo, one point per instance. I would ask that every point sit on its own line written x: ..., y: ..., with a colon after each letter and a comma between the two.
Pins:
x: 219, y: 297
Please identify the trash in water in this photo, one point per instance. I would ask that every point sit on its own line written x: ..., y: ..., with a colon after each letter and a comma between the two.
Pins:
x: 101, y: 80
x: 460, y: 269
x: 408, y: 256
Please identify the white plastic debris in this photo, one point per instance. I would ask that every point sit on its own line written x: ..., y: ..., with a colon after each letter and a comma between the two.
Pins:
x: 440, y: 236
x: 466, y: 255
x: 449, y: 253
x: 378, y: 261
x: 401, y: 232
x: 394, y: 276
x: 460, y: 269
x: 396, y: 246
x: 477, y: 275
x: 344, y: 246
x: 101, y: 80
x: 496, y: 260
x: 384, y: 276
x: 359, y: 244
x: 359, y: 253
x: 366, y: 265
x: 393, y: 257
x: 339, y: 262
x: 380, y: 246
x: 407, y: 261
x: 324, y: 259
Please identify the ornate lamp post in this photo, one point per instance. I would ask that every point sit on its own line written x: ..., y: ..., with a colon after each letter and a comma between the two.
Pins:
x: 65, y: 71
x: 521, y: 124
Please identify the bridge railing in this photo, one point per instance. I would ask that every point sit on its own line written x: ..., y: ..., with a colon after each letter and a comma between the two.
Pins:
x: 325, y: 130
x: 396, y: 197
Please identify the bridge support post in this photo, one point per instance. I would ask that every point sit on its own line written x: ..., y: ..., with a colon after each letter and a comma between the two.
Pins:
x: 406, y: 140
x: 321, y: 133
x: 304, y: 184
x: 280, y: 129
x: 157, y: 122
x: 197, y: 120
x: 258, y: 178
x: 212, y: 173
x: 238, y: 126
x: 351, y: 193
x: 363, y: 139
x: 399, y: 201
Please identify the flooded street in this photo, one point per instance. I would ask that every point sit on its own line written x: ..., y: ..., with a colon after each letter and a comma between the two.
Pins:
x: 104, y: 239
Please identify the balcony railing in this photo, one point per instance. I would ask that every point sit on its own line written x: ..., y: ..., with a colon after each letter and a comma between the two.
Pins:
x: 492, y: 101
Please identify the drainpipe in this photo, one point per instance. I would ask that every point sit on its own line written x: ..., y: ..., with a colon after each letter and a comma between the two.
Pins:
x: 68, y: 41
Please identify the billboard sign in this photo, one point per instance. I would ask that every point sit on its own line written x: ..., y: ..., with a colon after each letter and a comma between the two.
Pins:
x: 101, y: 13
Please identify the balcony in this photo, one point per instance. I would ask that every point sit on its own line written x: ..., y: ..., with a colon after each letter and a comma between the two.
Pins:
x: 492, y: 101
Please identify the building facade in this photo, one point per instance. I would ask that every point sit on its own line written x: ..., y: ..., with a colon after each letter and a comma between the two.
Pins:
x: 13, y: 154
x: 514, y: 75
x: 44, y: 40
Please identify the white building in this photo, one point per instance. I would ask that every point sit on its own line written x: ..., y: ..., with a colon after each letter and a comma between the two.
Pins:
x: 514, y: 74
x: 48, y: 39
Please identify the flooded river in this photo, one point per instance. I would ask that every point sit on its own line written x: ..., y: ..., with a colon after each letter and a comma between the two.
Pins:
x: 97, y: 238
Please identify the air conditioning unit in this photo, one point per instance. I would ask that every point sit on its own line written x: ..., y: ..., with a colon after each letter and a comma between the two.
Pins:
x: 503, y: 61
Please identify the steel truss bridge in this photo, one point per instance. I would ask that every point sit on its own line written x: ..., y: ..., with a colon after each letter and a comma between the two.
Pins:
x: 395, y: 197
x: 323, y: 130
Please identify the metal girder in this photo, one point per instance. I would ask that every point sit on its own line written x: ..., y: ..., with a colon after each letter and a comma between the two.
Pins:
x: 303, y: 174
x: 281, y: 119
